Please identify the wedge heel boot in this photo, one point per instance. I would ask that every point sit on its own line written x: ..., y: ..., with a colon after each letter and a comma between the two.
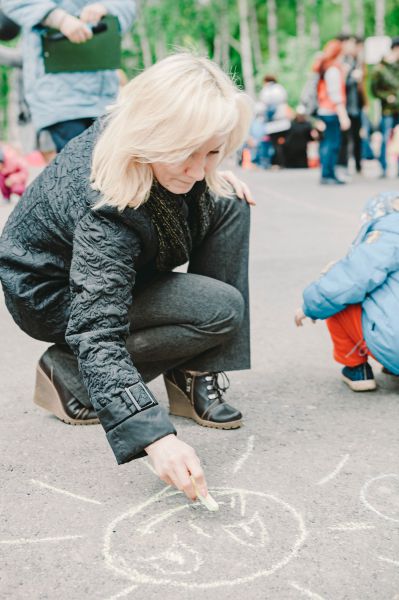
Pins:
x: 200, y: 398
x: 50, y: 395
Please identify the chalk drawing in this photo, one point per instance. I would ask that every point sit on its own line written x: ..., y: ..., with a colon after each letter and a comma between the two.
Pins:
x: 243, y: 501
x: 246, y: 455
x: 245, y: 530
x: 40, y: 540
x: 199, y: 530
x: 134, y: 549
x: 123, y: 593
x: 381, y: 495
x: 351, y: 527
x: 306, y: 592
x: 174, y: 560
x: 335, y: 472
x: 389, y: 560
x: 149, y: 466
x: 60, y: 491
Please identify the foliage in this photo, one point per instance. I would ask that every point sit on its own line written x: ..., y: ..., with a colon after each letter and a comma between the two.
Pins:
x: 166, y: 25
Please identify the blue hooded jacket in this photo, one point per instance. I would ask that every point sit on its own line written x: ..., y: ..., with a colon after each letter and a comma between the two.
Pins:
x: 55, y: 97
x: 368, y: 275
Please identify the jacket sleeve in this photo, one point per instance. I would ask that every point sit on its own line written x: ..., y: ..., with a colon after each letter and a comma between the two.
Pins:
x: 10, y: 57
x: 125, y: 10
x: 333, y: 80
x: 101, y: 279
x: 28, y: 13
x: 350, y: 280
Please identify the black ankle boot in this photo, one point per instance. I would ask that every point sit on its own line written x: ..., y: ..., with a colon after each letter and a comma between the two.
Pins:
x: 55, y: 380
x: 200, y: 397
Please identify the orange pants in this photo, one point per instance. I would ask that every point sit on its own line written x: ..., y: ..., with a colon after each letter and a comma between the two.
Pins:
x: 347, y: 336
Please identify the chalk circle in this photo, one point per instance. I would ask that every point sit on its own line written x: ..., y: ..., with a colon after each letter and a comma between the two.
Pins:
x: 168, y: 540
x: 381, y: 495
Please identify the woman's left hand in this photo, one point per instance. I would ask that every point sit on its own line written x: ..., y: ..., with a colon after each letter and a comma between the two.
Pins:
x: 240, y: 188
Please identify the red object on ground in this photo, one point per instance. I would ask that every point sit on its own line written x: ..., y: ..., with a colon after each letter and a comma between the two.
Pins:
x: 246, y: 159
x: 313, y: 163
x: 35, y: 159
x: 347, y: 336
x: 13, y: 173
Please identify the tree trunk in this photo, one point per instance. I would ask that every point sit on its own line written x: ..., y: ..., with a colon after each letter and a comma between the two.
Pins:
x: 224, y: 35
x: 314, y: 25
x: 142, y: 33
x: 359, y: 11
x: 379, y: 17
x: 245, y: 47
x: 160, y: 45
x: 346, y: 16
x: 272, y: 30
x: 221, y: 41
x: 300, y: 18
x: 254, y: 27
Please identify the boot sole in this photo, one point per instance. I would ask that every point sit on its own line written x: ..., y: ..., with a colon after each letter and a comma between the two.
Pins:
x: 360, y: 386
x: 46, y: 396
x: 180, y: 406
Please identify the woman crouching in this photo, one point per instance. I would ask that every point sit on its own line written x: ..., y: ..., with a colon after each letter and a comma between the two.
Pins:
x: 87, y: 259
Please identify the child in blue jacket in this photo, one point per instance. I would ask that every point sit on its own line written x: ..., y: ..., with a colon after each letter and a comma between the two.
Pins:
x: 359, y: 296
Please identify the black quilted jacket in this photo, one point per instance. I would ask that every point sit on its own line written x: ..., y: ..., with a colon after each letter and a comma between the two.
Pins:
x: 68, y: 274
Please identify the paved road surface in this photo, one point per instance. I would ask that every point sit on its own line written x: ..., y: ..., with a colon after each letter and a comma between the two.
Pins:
x: 309, y: 487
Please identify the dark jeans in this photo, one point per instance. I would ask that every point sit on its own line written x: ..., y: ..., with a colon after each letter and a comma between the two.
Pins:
x: 351, y: 137
x: 64, y: 131
x: 197, y: 320
x: 264, y: 154
x: 367, y: 152
x: 329, y: 146
x: 388, y: 123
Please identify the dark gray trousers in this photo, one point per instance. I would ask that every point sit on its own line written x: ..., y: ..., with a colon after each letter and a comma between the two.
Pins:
x: 197, y: 320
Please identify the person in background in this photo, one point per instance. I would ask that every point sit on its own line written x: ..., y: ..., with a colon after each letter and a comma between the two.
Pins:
x: 331, y: 98
x: 273, y: 96
x: 63, y: 105
x: 355, y: 102
x: 358, y: 296
x: 385, y: 87
x: 297, y: 139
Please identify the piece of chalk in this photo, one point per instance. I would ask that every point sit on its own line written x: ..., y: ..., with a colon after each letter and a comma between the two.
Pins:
x: 209, y: 502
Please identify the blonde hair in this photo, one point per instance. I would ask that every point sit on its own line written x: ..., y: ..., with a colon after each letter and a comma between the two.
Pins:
x: 164, y: 115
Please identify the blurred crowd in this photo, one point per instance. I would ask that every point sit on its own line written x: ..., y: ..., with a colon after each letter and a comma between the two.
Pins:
x: 336, y: 125
x: 337, y: 119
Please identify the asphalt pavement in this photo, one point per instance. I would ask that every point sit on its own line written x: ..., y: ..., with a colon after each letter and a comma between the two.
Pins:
x: 308, y: 487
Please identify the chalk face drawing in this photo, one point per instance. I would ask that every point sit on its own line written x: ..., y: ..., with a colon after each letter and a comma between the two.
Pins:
x: 261, y: 532
x: 381, y: 495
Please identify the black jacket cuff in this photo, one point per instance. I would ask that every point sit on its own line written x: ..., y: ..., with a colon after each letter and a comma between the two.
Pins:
x: 129, y: 438
x: 133, y: 421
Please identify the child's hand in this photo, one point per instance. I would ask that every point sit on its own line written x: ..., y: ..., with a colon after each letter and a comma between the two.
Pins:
x: 299, y: 317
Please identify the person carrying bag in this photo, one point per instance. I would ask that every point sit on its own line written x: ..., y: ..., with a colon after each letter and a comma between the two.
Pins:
x: 64, y: 102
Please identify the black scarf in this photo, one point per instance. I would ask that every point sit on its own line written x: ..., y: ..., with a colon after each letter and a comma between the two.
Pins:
x: 178, y: 225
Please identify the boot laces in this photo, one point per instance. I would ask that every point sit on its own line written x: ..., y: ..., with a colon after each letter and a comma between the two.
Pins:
x: 217, y: 387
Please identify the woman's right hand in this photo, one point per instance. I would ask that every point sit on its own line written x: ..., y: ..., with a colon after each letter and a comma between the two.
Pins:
x: 175, y: 462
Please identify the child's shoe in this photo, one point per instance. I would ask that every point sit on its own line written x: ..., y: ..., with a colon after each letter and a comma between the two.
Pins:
x: 360, y: 378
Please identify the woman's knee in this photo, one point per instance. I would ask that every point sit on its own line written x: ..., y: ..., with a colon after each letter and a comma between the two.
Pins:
x: 226, y: 307
x: 241, y: 208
